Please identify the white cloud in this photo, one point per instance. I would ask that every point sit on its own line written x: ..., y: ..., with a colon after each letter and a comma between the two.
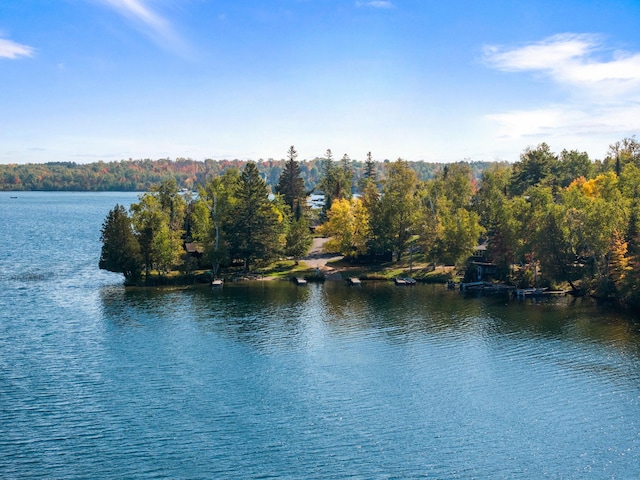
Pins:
x: 522, y: 123
x: 602, y: 85
x: 153, y: 24
x: 375, y: 4
x: 9, y: 49
x: 572, y: 60
x: 549, y: 54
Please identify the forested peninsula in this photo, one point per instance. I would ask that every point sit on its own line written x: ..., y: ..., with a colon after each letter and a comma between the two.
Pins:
x: 552, y: 220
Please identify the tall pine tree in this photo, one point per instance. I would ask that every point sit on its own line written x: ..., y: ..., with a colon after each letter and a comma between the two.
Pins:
x: 256, y: 231
x: 290, y: 184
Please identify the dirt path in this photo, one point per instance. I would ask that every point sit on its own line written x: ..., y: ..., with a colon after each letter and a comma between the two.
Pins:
x: 318, y: 259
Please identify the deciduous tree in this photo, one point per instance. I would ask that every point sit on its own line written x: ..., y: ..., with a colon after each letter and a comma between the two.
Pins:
x: 347, y: 226
x: 396, y: 214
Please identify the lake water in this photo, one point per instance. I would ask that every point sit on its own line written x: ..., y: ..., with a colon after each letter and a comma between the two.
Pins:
x: 269, y: 380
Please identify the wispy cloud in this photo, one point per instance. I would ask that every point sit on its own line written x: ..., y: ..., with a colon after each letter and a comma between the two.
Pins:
x: 602, y: 85
x: 13, y: 50
x: 152, y: 23
x: 574, y: 60
x: 375, y: 4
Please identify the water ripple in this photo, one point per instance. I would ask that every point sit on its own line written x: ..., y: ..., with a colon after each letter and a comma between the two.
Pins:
x: 274, y: 381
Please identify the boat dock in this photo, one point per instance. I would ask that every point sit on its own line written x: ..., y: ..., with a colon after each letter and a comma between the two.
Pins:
x: 486, y: 287
x: 537, y: 292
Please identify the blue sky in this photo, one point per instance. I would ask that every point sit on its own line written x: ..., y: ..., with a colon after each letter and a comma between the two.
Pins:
x: 89, y: 80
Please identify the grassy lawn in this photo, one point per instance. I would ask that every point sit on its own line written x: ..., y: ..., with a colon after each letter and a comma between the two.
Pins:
x: 286, y: 269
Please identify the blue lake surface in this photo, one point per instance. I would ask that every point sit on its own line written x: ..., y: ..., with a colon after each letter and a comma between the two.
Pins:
x: 269, y: 380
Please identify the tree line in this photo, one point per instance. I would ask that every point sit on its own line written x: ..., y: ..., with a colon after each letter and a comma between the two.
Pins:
x: 549, y: 219
x: 142, y: 175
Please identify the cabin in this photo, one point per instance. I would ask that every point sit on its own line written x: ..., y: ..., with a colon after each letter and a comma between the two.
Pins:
x: 480, y: 268
x: 484, y: 270
x: 194, y: 250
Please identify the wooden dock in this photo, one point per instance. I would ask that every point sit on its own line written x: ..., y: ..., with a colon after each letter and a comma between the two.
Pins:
x: 537, y: 292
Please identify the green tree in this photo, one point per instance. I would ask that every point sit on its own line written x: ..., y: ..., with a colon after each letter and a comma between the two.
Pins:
x: 120, y: 249
x: 396, y: 214
x: 290, y: 184
x: 346, y: 177
x: 257, y: 229
x: 171, y: 202
x: 215, y: 217
x: 455, y: 183
x: 459, y: 234
x: 621, y: 154
x: 536, y: 166
x: 298, y: 237
x: 553, y: 246
x: 370, y: 168
x: 336, y: 180
x: 571, y: 165
x: 496, y: 214
x: 161, y: 248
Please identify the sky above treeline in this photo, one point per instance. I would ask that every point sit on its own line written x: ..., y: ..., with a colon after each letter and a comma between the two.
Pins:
x: 441, y: 81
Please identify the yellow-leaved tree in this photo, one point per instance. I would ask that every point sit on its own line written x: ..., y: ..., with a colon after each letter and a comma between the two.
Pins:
x: 347, y: 226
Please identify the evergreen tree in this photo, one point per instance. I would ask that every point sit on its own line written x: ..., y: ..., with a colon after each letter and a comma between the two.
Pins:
x: 346, y: 177
x: 256, y: 231
x: 120, y: 249
x: 290, y: 184
x: 369, y: 176
x: 336, y: 181
x: 370, y: 168
x: 298, y: 238
x: 327, y: 181
x: 536, y: 166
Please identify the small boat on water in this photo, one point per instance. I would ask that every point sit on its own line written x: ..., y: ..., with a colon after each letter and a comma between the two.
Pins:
x: 217, y: 283
x: 300, y: 281
x: 355, y: 281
